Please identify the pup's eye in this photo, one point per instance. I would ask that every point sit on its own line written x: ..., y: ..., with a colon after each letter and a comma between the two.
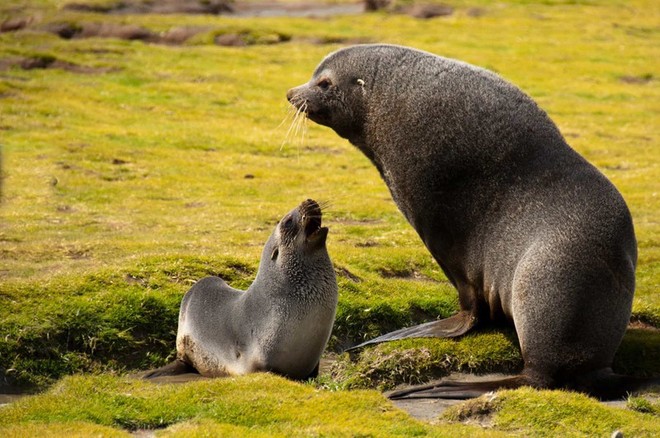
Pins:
x: 288, y: 223
x: 275, y: 253
x: 324, y: 84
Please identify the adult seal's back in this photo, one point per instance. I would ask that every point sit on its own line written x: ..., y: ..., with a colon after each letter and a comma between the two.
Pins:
x: 282, y: 323
x: 525, y: 228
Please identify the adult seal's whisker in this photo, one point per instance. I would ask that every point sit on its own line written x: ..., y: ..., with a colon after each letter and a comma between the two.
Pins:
x: 295, y: 126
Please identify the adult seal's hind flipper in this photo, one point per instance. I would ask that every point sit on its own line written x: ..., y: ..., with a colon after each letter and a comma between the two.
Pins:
x: 451, y: 327
x: 602, y: 384
x: 458, y: 390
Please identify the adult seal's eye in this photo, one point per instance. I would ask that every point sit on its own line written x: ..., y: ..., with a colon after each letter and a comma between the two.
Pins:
x: 324, y: 84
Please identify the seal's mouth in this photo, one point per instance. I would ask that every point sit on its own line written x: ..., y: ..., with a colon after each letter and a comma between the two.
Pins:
x: 305, y: 106
x: 311, y: 220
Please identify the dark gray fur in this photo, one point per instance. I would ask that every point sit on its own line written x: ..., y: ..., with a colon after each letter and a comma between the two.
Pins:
x: 282, y: 323
x: 526, y: 229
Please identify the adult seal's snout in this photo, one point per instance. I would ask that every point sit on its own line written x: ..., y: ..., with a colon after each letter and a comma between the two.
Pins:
x: 525, y: 228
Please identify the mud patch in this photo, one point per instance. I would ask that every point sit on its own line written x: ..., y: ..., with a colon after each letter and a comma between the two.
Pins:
x: 422, y: 10
x: 5, y: 399
x: 211, y: 7
x: 43, y: 62
x: 426, y: 409
x: 13, y: 24
x: 249, y: 38
x: 642, y: 79
x: 642, y: 325
x: 428, y: 11
x: 174, y: 36
x: 220, y: 7
x: 68, y: 31
x: 345, y: 273
x: 403, y: 273
x: 303, y: 9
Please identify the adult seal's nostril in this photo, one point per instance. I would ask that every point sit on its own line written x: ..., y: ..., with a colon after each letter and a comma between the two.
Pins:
x: 282, y: 323
x: 293, y: 95
x: 525, y: 228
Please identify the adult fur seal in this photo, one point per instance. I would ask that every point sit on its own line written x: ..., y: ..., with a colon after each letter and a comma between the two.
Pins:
x: 280, y: 324
x: 525, y: 228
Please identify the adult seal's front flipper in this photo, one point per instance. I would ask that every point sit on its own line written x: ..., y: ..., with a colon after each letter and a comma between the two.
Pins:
x: 451, y: 327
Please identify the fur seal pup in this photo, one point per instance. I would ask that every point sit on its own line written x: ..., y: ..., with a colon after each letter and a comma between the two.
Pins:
x: 282, y: 323
x: 523, y: 226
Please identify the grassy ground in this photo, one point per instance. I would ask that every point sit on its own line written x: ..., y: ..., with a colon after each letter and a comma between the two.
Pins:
x: 267, y: 405
x: 131, y: 169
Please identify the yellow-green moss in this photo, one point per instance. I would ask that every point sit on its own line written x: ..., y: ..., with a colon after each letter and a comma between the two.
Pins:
x: 131, y: 169
x: 551, y: 413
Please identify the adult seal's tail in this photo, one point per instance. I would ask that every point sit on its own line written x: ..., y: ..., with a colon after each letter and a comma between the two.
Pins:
x: 525, y: 228
x: 282, y: 323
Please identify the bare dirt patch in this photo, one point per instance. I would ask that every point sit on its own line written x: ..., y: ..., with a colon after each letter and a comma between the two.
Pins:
x: 69, y: 30
x: 179, y: 35
x: 421, y: 10
x: 405, y: 273
x: 213, y: 7
x: 13, y: 24
x: 220, y: 7
x: 428, y: 11
x: 261, y: 9
x: 48, y: 62
x: 92, y: 28
x: 303, y: 9
x: 642, y: 79
x: 174, y: 36
x: 247, y: 38
x: 345, y: 273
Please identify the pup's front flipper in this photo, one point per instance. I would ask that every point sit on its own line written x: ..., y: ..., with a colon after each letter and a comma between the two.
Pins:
x: 172, y: 369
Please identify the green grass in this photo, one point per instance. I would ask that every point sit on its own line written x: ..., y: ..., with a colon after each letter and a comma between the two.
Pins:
x: 260, y: 404
x: 154, y: 165
x: 551, y: 413
x: 267, y: 405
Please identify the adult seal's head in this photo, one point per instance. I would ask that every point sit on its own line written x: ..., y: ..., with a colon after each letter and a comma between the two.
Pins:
x: 337, y: 96
x: 282, y: 323
x: 526, y: 229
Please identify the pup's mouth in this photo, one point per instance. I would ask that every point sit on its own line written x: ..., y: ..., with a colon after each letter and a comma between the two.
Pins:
x: 311, y: 219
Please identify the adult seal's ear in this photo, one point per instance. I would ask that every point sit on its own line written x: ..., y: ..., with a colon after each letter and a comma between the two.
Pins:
x: 525, y: 228
x: 282, y: 323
